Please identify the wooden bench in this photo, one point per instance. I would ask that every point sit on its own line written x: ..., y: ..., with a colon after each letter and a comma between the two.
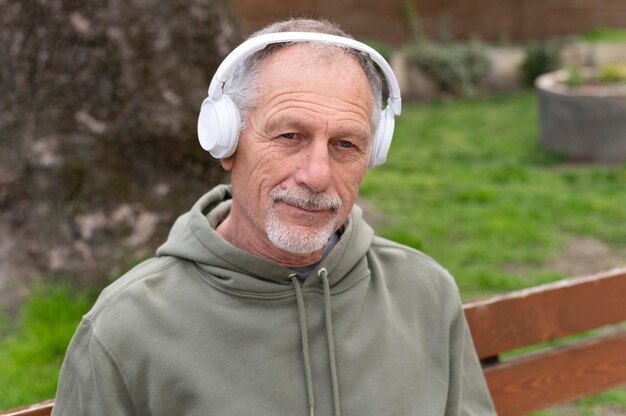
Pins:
x: 556, y: 374
x: 39, y: 409
x: 546, y: 377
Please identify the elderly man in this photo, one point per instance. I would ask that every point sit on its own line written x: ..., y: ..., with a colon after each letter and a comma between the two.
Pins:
x: 272, y: 296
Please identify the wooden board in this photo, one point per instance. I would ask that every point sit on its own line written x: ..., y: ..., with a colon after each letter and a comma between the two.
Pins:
x: 558, y: 375
x: 39, y: 409
x: 547, y: 312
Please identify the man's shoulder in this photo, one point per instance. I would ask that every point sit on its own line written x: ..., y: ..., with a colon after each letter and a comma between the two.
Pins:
x: 400, y: 254
x: 401, y: 262
x: 382, y: 244
x: 126, y: 286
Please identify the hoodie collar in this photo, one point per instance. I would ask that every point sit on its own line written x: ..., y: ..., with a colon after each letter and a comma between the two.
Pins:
x: 194, y: 237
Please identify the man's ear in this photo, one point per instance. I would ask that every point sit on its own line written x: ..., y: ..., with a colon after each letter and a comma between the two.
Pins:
x: 227, y: 163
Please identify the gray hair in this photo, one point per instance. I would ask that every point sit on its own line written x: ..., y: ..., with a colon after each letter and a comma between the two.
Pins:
x: 242, y: 85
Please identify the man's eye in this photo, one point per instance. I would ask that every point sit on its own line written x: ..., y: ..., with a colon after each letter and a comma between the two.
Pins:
x: 345, y: 143
x: 288, y: 135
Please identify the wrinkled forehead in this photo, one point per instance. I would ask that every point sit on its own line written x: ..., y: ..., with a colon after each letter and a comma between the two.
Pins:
x: 306, y: 66
x: 319, y: 50
x: 310, y: 53
x: 314, y: 55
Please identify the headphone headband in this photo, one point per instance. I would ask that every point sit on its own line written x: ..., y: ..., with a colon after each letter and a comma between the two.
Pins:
x: 252, y: 45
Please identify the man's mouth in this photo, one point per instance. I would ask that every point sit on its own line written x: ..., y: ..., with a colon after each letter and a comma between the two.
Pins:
x: 306, y: 208
x: 304, y: 201
x: 311, y: 205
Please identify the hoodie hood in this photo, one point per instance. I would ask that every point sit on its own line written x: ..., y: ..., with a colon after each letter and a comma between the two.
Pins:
x: 194, y: 237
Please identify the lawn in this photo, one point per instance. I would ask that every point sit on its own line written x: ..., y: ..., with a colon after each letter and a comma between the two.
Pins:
x: 32, y: 350
x: 604, y: 34
x: 465, y: 182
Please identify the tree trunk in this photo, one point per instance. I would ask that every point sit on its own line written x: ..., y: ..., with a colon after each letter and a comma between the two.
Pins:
x: 98, y: 145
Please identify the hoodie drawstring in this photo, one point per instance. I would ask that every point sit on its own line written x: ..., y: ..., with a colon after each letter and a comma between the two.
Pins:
x: 323, y: 274
x: 331, y: 341
x: 304, y: 333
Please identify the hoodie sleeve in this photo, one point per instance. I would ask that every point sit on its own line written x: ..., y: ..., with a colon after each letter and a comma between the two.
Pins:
x: 468, y: 394
x: 90, y: 382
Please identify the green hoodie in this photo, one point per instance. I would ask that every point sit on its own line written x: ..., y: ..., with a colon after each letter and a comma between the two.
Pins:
x: 207, y: 329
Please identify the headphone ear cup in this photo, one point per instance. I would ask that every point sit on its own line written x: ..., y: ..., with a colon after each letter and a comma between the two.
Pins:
x: 218, y: 126
x: 382, y: 139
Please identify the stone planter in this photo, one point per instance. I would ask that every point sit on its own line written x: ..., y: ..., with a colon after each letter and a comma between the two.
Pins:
x: 587, y: 123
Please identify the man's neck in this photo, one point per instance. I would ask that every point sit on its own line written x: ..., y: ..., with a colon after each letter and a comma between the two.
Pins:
x: 242, y: 237
x: 331, y: 244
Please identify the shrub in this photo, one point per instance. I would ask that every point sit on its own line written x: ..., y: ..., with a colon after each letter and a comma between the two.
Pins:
x: 458, y: 68
x: 540, y: 58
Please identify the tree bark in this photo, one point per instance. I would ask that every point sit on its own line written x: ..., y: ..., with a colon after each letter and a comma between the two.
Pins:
x: 98, y: 146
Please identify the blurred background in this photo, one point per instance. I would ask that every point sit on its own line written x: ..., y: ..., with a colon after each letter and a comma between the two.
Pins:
x: 99, y: 154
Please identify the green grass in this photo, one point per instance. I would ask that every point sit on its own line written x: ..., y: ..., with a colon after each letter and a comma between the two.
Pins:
x: 604, y: 34
x: 612, y: 402
x: 467, y: 183
x: 32, y: 349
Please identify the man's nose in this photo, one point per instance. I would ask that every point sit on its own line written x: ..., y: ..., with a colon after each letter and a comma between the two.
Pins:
x: 314, y: 171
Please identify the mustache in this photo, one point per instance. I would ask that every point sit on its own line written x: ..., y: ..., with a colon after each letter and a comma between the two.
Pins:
x: 302, y: 198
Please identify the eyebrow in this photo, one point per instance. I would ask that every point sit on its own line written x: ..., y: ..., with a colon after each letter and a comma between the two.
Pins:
x: 281, y: 124
x: 360, y: 134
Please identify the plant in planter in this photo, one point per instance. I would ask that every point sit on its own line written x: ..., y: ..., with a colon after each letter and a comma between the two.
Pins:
x: 612, y: 73
x: 582, y: 112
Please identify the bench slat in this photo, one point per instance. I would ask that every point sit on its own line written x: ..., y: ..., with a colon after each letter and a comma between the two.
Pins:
x: 39, y: 409
x: 547, y: 312
x: 558, y: 375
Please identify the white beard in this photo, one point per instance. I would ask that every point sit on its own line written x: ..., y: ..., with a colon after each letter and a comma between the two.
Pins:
x: 299, y: 239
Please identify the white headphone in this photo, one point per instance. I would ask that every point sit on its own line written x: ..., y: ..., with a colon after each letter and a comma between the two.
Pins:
x: 218, y: 123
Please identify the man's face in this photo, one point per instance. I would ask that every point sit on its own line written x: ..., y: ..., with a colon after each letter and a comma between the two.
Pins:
x: 302, y: 153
